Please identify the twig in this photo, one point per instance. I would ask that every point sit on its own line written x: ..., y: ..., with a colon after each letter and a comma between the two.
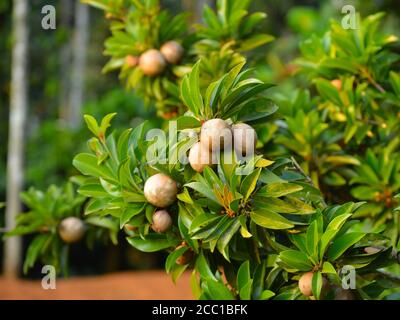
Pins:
x: 308, y: 179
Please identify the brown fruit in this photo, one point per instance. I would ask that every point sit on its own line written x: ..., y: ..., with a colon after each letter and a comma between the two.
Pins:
x: 131, y: 61
x: 152, y: 63
x: 161, y: 221
x: 160, y: 190
x: 200, y: 157
x: 172, y: 52
x: 71, y: 229
x: 342, y: 294
x: 244, y: 137
x: 305, y: 284
x: 215, y: 135
x: 337, y: 83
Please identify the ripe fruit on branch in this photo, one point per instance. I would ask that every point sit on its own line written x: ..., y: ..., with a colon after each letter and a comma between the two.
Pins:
x: 172, y: 52
x: 161, y: 221
x: 186, y: 257
x: 131, y: 61
x: 200, y: 157
x: 337, y: 83
x: 152, y: 63
x: 71, y: 229
x: 244, y: 138
x: 160, y: 190
x: 215, y: 135
x: 305, y: 284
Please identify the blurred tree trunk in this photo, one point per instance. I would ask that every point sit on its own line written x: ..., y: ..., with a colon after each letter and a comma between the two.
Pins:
x: 196, y: 8
x: 17, y: 128
x: 79, y: 52
x: 66, y: 9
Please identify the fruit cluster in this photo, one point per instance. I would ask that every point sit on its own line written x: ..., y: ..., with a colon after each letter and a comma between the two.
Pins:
x: 153, y: 62
x: 217, y: 136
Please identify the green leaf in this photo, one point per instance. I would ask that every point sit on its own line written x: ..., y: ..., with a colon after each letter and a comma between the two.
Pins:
x: 152, y: 242
x: 245, y: 292
x: 249, y: 183
x: 269, y: 219
x: 204, y: 190
x: 266, y: 295
x: 105, y: 123
x: 312, y: 239
x: 296, y: 260
x: 223, y: 241
x: 317, y: 283
x: 91, y: 123
x: 278, y: 189
x: 187, y: 122
x: 93, y: 190
x: 243, y: 275
x: 194, y: 284
x: 173, y: 256
x: 341, y: 244
x: 87, y: 164
x: 255, y: 41
x: 130, y: 211
x: 203, y: 268
x: 327, y: 267
x: 34, y: 250
x: 218, y: 291
x: 195, y: 87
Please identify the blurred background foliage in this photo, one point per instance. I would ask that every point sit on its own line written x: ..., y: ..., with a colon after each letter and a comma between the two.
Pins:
x: 51, y: 143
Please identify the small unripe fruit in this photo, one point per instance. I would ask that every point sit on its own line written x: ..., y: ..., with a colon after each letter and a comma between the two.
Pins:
x: 161, y: 221
x: 160, y: 190
x: 305, y: 284
x: 244, y: 139
x: 215, y: 135
x: 337, y: 83
x: 200, y: 157
x: 371, y: 250
x: 128, y: 228
x: 131, y: 61
x: 152, y: 63
x: 71, y: 229
x: 172, y: 52
x: 342, y: 294
x: 186, y: 257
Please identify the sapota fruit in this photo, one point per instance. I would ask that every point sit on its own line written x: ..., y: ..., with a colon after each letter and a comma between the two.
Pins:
x: 200, y: 157
x: 152, y: 63
x: 172, y: 52
x: 160, y: 190
x: 71, y: 229
x: 305, y: 284
x: 337, y: 83
x: 244, y: 139
x: 215, y: 135
x: 161, y: 221
x: 131, y: 61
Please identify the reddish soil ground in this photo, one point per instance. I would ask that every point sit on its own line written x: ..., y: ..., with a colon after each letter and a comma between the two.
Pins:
x: 118, y: 286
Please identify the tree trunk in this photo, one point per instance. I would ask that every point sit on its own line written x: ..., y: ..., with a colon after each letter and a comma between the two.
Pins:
x: 17, y: 128
x: 66, y: 16
x: 80, y: 43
